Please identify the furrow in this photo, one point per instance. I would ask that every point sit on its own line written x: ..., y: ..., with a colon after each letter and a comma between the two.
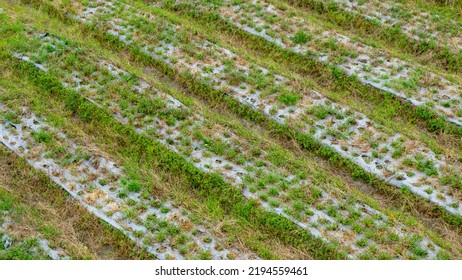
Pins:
x: 418, y: 24
x: 413, y: 83
x: 101, y: 186
x: 328, y: 214
x: 403, y: 162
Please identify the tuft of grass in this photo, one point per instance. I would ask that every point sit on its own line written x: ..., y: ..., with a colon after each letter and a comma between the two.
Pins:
x: 42, y: 136
x: 288, y: 98
x: 150, y: 106
x: 134, y: 186
x: 301, y: 38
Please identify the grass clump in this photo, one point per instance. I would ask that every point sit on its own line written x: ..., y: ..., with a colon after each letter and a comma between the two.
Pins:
x: 150, y: 106
x: 300, y: 38
x: 288, y: 98
x: 42, y: 136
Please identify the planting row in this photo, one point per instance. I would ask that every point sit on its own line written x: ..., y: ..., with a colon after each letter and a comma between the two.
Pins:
x: 420, y: 24
x: 280, y: 185
x: 397, y: 159
x: 33, y: 247
x: 103, y: 187
x: 372, y: 67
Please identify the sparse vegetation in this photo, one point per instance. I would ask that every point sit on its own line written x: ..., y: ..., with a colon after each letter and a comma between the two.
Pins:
x: 295, y: 154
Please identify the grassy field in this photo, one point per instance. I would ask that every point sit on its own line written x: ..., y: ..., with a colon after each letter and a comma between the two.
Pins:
x: 230, y: 130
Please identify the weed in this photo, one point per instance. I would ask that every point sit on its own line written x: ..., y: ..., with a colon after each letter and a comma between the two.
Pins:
x: 300, y: 38
x: 43, y: 136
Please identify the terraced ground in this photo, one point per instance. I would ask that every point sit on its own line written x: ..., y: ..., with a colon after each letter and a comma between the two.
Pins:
x: 230, y: 130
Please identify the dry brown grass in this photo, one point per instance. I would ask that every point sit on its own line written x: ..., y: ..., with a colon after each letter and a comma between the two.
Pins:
x: 45, y: 205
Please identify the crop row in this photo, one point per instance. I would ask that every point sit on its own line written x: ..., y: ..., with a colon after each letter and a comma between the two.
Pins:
x: 96, y: 182
x: 286, y: 29
x: 213, y: 148
x: 397, y: 159
x: 417, y: 23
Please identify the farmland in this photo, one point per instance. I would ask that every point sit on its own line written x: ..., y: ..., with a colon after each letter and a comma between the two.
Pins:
x: 230, y: 129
